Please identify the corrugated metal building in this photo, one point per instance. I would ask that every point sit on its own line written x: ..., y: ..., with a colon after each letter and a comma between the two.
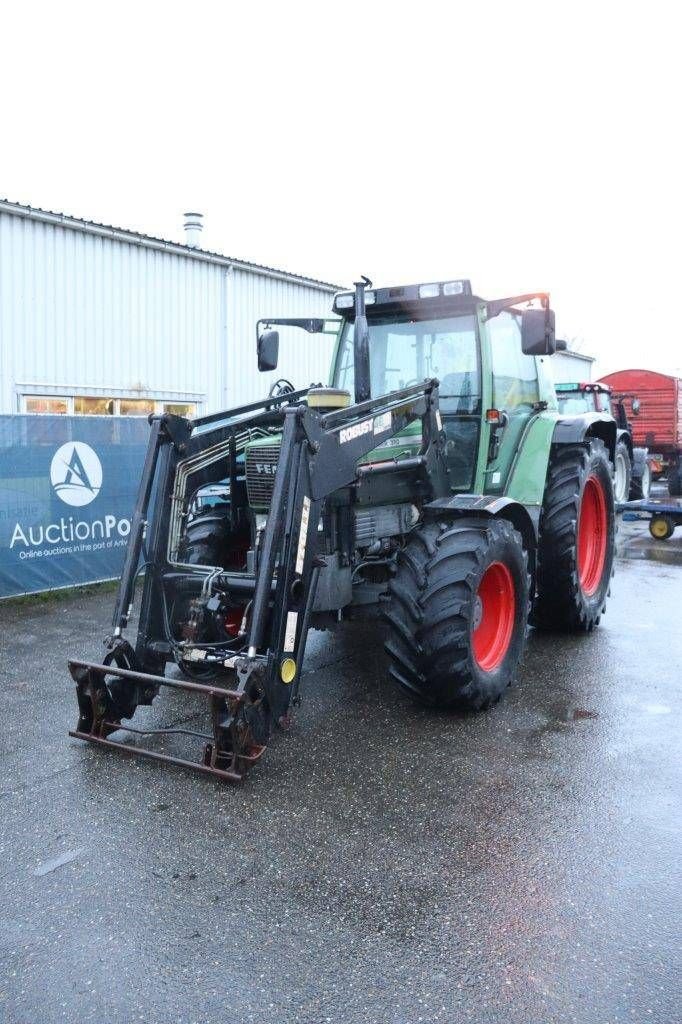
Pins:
x: 97, y: 319
x: 569, y: 367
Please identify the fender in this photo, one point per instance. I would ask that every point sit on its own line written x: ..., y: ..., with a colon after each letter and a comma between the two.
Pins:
x: 492, y: 506
x: 577, y: 429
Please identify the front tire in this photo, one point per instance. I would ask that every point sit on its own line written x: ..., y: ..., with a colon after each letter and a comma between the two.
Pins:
x: 576, y: 546
x: 457, y: 611
x: 622, y: 473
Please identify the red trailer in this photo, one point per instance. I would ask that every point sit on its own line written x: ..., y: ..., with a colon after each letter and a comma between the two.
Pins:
x: 657, y: 423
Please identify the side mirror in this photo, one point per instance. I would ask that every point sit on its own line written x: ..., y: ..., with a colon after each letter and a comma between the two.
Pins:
x: 635, y: 406
x: 268, y: 350
x: 537, y: 332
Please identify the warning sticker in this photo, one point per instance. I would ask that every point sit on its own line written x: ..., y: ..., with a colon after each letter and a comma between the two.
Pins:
x: 303, y: 535
x: 290, y: 634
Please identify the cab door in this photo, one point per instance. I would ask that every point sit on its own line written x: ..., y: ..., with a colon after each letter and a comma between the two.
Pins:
x: 515, y: 395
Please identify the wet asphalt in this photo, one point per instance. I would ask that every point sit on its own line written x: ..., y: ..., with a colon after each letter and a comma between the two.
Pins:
x: 382, y: 863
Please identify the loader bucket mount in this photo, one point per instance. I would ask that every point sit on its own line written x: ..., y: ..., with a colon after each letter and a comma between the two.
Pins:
x: 230, y: 748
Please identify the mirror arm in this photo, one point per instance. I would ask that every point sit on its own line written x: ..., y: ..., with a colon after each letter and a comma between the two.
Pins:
x: 498, y: 306
x: 313, y: 325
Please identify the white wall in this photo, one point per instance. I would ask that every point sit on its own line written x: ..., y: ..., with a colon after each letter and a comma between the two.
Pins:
x: 90, y: 315
x: 570, y: 368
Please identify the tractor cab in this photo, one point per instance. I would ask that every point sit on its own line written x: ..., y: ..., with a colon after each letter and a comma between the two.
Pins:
x: 487, y: 357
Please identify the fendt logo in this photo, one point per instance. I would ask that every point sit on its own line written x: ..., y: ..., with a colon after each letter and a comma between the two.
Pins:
x: 76, y: 473
x: 269, y: 468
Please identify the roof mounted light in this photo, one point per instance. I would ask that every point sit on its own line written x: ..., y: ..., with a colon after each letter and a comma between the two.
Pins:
x: 344, y: 301
x: 370, y: 298
x: 456, y: 288
x: 429, y: 291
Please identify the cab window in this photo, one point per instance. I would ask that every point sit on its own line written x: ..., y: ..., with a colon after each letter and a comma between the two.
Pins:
x: 515, y: 376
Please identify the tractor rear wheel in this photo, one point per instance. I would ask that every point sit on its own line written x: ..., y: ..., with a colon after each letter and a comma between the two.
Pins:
x: 675, y: 481
x: 576, y: 545
x: 457, y: 611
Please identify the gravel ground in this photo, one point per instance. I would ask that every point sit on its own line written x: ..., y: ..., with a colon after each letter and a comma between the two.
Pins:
x: 382, y: 863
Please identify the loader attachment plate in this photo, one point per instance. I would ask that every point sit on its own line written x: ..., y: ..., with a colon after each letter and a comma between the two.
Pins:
x: 229, y: 749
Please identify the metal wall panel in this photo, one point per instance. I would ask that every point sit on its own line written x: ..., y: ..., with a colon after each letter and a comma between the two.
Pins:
x: 570, y: 367
x: 86, y: 314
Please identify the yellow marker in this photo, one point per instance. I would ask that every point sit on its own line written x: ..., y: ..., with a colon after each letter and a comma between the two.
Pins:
x: 287, y: 670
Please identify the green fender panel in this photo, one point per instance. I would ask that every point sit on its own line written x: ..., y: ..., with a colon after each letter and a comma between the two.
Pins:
x: 529, y: 470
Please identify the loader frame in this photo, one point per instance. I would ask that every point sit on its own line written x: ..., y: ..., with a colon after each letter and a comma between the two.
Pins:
x: 319, y: 455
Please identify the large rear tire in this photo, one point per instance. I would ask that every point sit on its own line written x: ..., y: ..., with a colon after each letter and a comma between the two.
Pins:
x: 576, y: 544
x: 675, y: 481
x: 457, y: 612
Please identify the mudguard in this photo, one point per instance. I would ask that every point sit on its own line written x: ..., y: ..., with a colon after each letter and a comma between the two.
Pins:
x: 525, y: 520
x: 577, y: 429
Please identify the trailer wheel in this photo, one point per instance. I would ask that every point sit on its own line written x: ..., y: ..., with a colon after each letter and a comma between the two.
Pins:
x: 661, y: 527
x: 457, y: 610
x: 576, y: 544
x: 622, y: 473
x: 675, y: 481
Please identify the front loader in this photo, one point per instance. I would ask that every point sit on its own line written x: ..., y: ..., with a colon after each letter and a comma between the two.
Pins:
x: 447, y: 495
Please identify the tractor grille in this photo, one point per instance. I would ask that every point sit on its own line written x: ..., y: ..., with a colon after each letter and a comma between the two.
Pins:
x: 261, y: 464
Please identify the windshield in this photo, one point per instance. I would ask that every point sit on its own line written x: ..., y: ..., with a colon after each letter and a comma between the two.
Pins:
x: 572, y: 404
x: 403, y: 353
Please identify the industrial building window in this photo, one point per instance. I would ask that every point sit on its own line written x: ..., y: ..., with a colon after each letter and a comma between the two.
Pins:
x: 179, y: 408
x: 136, y: 407
x: 94, y: 405
x: 46, y: 404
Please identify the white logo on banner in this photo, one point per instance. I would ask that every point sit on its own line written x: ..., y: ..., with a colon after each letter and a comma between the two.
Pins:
x: 76, y: 473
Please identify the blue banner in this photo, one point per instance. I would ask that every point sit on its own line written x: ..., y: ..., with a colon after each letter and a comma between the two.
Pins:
x: 67, y: 492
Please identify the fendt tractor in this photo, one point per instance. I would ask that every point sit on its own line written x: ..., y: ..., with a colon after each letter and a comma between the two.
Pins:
x: 632, y: 473
x: 433, y: 482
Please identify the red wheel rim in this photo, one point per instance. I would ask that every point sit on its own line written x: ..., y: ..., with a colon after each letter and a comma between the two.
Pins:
x: 592, y: 533
x: 494, y: 619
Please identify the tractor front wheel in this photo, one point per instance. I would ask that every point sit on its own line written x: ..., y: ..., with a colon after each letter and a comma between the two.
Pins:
x: 622, y: 473
x: 576, y: 545
x: 457, y: 611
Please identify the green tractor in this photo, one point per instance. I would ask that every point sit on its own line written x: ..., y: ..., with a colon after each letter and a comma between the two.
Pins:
x: 433, y: 482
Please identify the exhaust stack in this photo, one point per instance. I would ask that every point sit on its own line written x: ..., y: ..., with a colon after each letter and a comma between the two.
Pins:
x: 193, y: 228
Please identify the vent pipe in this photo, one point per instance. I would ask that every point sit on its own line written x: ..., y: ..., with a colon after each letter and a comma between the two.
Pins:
x: 193, y: 229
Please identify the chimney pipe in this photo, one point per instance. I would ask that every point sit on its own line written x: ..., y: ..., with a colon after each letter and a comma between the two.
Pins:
x: 193, y: 229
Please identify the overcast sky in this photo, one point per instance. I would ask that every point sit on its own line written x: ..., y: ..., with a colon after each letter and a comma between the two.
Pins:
x: 528, y: 146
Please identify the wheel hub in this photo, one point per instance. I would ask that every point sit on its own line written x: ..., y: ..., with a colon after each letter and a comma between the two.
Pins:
x: 493, y: 616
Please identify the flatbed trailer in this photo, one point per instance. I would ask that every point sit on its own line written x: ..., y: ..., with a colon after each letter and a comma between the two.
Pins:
x: 663, y: 515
